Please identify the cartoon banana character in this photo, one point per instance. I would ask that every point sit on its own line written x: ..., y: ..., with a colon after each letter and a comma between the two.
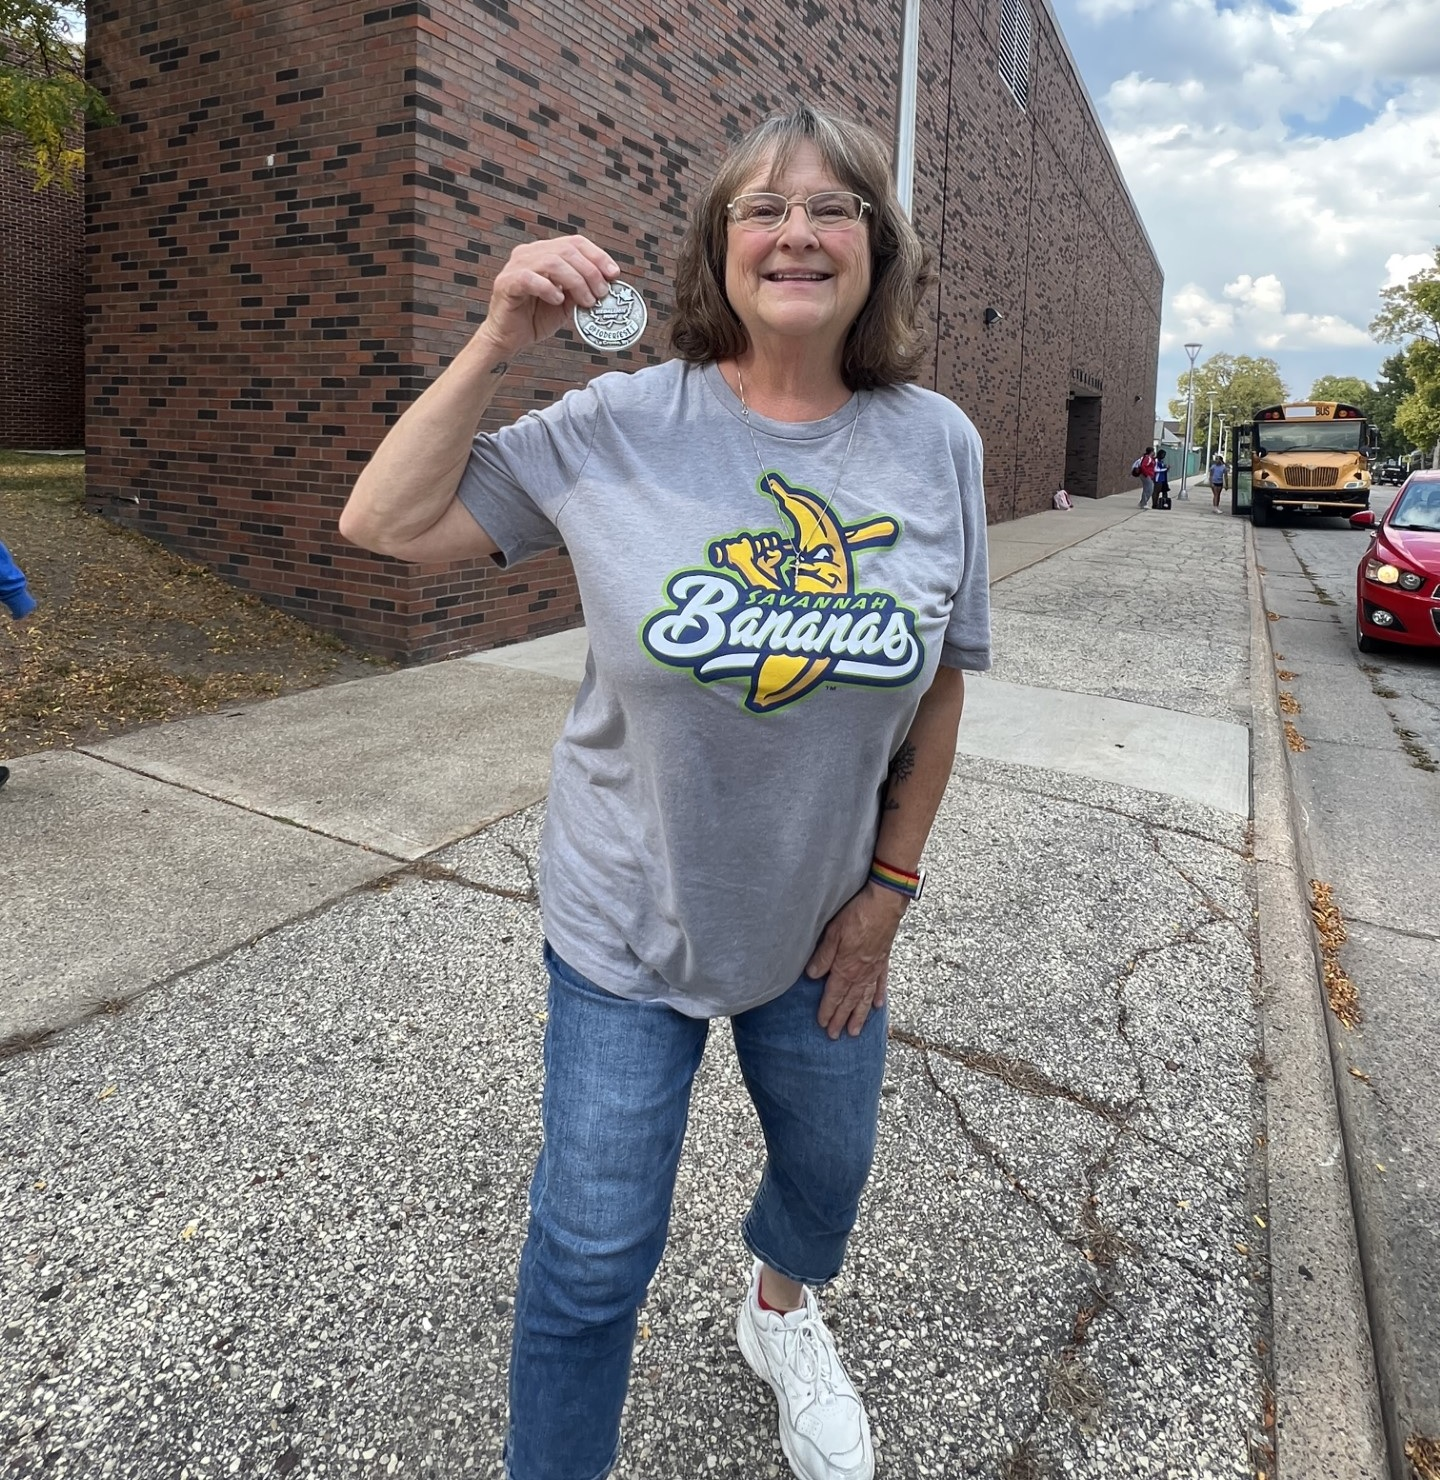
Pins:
x: 819, y: 554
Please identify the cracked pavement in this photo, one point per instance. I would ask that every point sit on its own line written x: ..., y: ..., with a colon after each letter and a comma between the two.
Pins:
x: 265, y: 1219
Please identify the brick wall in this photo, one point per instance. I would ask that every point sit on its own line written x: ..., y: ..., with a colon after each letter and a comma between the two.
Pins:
x: 42, y: 336
x: 296, y: 221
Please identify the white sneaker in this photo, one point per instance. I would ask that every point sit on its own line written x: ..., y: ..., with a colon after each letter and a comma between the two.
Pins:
x: 823, y: 1428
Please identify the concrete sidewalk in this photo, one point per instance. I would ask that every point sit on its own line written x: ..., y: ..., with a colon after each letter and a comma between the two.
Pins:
x: 272, y: 992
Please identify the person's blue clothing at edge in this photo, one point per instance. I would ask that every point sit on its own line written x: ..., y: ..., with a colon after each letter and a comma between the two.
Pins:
x: 14, y: 591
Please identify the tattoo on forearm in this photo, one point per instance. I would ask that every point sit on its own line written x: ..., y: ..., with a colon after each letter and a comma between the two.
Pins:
x: 501, y: 368
x: 903, y: 764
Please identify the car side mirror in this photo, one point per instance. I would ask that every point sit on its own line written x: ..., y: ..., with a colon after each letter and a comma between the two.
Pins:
x: 1365, y: 519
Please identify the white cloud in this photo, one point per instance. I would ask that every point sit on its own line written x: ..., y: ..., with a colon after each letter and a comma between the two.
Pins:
x: 1251, y: 315
x: 1103, y: 10
x: 1400, y: 267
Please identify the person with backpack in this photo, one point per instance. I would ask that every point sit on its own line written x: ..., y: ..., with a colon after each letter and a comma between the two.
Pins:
x: 1144, y: 468
x: 1162, y: 481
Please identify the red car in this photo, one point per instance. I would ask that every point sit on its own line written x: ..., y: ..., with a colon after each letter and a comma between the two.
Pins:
x: 1397, y: 585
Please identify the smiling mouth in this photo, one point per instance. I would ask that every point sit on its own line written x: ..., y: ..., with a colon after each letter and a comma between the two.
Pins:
x: 798, y: 277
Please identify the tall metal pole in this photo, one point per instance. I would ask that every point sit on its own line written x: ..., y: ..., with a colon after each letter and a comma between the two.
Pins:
x: 908, y: 102
x: 1209, y: 427
x: 1192, y: 350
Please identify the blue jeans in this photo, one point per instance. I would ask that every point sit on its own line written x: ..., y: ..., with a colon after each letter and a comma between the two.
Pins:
x: 617, y: 1096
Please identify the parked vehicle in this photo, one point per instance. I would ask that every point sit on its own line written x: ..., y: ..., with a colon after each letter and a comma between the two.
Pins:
x: 1390, y: 472
x: 1307, y: 457
x: 1397, y: 583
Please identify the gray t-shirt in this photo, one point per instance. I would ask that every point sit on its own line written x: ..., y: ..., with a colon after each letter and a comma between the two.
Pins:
x: 758, y: 648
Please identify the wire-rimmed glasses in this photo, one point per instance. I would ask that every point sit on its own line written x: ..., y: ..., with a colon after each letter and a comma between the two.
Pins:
x: 830, y: 210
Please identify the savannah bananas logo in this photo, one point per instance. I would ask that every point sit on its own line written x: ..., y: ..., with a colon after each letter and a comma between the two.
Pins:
x: 784, y: 610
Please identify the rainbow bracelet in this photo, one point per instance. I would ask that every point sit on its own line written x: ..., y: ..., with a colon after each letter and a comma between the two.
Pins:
x: 902, y: 881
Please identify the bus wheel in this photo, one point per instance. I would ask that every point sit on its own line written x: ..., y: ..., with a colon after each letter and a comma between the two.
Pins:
x: 1260, y: 513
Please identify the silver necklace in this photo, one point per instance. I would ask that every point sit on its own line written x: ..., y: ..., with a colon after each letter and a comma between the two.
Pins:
x: 855, y: 422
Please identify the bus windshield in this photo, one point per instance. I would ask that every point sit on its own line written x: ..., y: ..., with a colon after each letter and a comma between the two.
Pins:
x: 1309, y: 436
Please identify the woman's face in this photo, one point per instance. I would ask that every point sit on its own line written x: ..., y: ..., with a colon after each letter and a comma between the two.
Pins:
x: 797, y: 284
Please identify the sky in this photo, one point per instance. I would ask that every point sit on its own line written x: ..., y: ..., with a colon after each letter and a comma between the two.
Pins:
x: 1285, y: 159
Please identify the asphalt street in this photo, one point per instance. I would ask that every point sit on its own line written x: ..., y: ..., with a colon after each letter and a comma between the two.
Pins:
x: 1367, y: 788
x: 273, y: 1014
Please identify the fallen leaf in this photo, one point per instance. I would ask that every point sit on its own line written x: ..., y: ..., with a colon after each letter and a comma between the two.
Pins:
x: 1260, y: 1220
x: 1243, y: 1248
x: 190, y: 1229
x: 1357, y: 1074
x: 106, y: 1092
x: 1379, y: 1166
x: 41, y: 1186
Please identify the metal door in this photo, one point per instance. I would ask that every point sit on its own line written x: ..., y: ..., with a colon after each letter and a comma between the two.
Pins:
x: 1242, y: 440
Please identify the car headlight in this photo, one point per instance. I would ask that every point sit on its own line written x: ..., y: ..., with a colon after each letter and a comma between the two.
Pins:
x: 1385, y: 574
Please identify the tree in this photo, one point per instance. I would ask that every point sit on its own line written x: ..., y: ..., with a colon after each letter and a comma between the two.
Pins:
x: 1412, y: 308
x: 1412, y: 311
x: 44, y: 97
x: 1418, y: 415
x: 1348, y: 388
x: 1392, y: 385
x: 1241, y: 385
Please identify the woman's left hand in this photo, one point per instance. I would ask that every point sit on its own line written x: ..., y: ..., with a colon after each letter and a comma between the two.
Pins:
x: 854, y: 952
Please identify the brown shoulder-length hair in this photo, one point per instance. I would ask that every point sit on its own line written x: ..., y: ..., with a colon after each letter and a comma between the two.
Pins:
x: 887, y: 341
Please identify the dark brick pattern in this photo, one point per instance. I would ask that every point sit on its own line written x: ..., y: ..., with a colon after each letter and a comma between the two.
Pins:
x: 295, y: 224
x: 42, y: 326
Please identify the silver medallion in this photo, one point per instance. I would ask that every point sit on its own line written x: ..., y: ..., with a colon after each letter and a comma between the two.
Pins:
x: 616, y: 322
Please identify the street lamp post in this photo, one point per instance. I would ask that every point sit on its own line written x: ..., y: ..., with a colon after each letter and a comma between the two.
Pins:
x: 1192, y: 350
x: 1209, y: 428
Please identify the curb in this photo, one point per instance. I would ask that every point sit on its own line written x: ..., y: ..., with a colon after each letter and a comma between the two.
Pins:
x: 1328, y: 1422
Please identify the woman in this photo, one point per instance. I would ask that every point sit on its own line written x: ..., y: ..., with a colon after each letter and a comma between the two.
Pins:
x: 780, y: 547
x: 1217, y: 481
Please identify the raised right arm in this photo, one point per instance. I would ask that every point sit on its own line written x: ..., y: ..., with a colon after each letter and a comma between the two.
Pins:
x: 404, y: 503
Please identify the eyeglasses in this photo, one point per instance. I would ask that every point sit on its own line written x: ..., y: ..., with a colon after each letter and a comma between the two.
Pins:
x: 831, y: 210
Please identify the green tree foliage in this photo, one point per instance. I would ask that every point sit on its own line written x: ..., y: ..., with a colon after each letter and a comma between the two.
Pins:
x: 1391, y: 387
x: 1241, y: 385
x: 1348, y: 388
x: 1411, y: 311
x: 1412, y: 308
x: 44, y: 98
x: 1418, y: 416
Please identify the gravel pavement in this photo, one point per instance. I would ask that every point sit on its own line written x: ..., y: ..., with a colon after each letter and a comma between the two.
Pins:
x: 264, y: 1219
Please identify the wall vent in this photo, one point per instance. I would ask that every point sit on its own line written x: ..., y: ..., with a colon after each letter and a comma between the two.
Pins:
x: 1016, y: 26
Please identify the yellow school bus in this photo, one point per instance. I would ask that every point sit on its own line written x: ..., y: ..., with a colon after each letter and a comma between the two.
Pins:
x: 1306, y: 457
